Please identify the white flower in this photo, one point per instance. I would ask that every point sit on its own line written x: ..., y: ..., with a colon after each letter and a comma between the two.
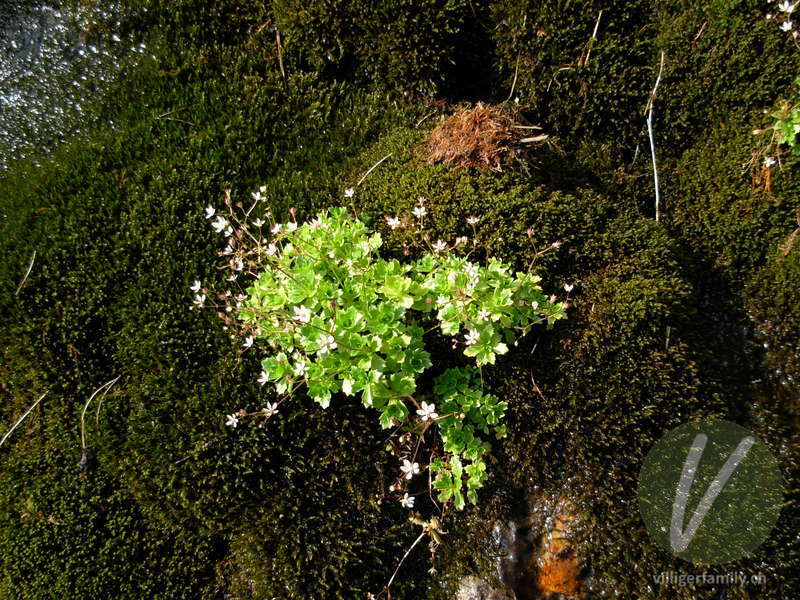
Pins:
x: 326, y: 343
x: 239, y: 266
x: 300, y: 368
x: 409, y: 469
x: 461, y: 240
x: 786, y: 26
x: 441, y: 300
x: 769, y: 161
x: 471, y: 337
x: 258, y: 222
x: 263, y: 378
x: 228, y: 250
x: 348, y: 193
x: 229, y: 231
x: 484, y: 314
x: 219, y: 224
x: 347, y: 387
x: 271, y: 409
x: 439, y: 246
x: 291, y: 226
x: 428, y: 411
x: 257, y: 196
x: 210, y: 211
x: 407, y: 501
x: 472, y: 220
x: 786, y: 7
x: 302, y: 314
x: 195, y: 287
x: 272, y: 249
x: 315, y: 222
x: 199, y: 299
x: 232, y: 421
x: 568, y: 287
x: 420, y: 211
x: 471, y: 270
x: 393, y: 222
x: 277, y: 228
x: 263, y: 189
x: 248, y: 341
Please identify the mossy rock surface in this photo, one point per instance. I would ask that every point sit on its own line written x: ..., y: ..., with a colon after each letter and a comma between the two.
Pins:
x: 636, y: 357
x: 667, y: 322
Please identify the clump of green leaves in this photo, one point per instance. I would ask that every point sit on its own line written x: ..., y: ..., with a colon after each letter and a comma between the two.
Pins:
x: 335, y: 318
x: 787, y: 124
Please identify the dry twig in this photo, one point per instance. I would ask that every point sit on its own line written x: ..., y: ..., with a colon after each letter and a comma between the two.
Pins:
x: 652, y: 139
x: 28, y: 272
x: 27, y: 412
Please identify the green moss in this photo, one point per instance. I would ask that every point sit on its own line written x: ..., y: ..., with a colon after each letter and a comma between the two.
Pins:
x: 725, y: 63
x: 178, y: 506
x: 739, y: 229
x: 545, y: 46
x: 116, y: 223
x: 773, y: 302
x: 406, y: 46
x: 635, y: 358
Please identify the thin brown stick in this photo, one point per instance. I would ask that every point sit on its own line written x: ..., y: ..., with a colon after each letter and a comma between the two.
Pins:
x: 280, y: 52
x: 514, y: 82
x: 103, y: 388
x: 652, y: 139
x: 423, y: 119
x: 27, y: 412
x: 28, y: 272
x: 402, y: 560
x: 787, y: 247
x: 372, y: 168
x: 592, y: 39
x: 516, y: 68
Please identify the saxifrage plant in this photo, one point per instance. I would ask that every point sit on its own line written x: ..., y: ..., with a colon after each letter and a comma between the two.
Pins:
x: 335, y: 317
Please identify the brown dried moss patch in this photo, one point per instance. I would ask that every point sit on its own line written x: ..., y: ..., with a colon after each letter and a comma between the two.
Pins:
x: 484, y: 136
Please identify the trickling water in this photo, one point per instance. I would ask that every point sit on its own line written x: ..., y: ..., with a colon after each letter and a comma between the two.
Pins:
x: 54, y: 61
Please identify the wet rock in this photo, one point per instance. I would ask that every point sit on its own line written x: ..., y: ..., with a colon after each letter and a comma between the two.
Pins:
x: 536, y: 559
x: 473, y: 588
x: 559, y: 567
x: 514, y: 540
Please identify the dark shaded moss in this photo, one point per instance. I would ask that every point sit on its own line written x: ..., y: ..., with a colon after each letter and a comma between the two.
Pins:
x: 576, y: 87
x: 638, y: 356
x: 737, y: 227
x: 177, y: 505
x: 405, y: 46
x: 772, y: 300
x: 116, y: 223
x: 725, y: 63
